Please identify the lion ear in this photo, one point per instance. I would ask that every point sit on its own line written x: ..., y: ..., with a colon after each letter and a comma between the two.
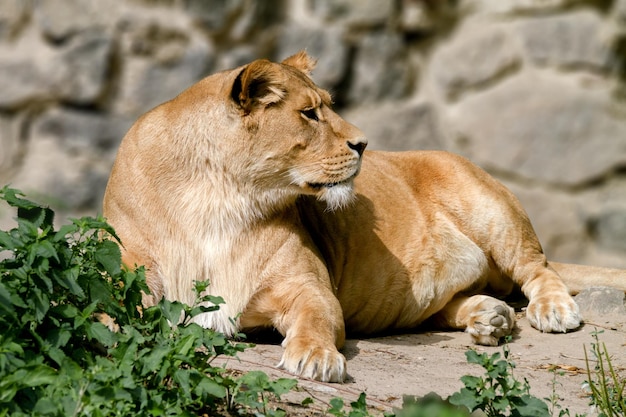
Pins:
x: 257, y: 85
x: 301, y: 61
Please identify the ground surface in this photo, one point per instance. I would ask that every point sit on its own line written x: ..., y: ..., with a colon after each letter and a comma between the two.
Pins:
x: 387, y: 367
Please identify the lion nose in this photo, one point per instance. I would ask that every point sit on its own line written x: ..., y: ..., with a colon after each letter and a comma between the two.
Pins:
x: 358, y: 145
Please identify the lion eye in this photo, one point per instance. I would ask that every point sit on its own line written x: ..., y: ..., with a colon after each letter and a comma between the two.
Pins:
x: 310, y: 114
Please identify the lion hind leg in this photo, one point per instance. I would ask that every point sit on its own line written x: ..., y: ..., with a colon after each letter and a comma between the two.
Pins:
x: 485, y: 318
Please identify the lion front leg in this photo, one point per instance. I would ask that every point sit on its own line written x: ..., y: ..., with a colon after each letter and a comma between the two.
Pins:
x: 551, y: 308
x: 309, y: 316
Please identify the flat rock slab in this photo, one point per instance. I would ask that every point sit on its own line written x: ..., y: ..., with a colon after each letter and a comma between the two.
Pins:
x: 386, y: 368
x: 601, y: 300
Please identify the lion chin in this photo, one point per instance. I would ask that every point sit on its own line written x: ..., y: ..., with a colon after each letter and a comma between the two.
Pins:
x: 336, y: 196
x: 248, y: 179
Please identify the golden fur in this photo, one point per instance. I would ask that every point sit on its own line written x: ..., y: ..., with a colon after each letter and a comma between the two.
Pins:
x: 247, y: 179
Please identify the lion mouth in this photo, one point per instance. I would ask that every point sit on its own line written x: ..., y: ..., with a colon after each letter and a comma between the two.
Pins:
x: 321, y: 185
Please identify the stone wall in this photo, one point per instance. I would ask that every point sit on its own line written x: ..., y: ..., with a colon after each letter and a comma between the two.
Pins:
x: 528, y: 89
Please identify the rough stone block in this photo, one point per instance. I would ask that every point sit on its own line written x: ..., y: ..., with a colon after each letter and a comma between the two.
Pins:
x: 359, y: 13
x: 69, y: 154
x: 571, y: 41
x: 325, y: 43
x: 160, y: 61
x: 9, y: 144
x: 601, y: 300
x: 381, y: 69
x: 610, y: 229
x: 85, y: 64
x: 474, y: 58
x: 398, y: 126
x: 61, y: 19
x: 13, y: 14
x: 543, y: 128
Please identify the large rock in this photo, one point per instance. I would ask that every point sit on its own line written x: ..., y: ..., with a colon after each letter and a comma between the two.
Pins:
x: 162, y: 57
x: 75, y: 72
x: 25, y: 76
x: 571, y: 41
x: 13, y: 15
x: 513, y: 7
x: 397, y: 126
x: 61, y: 19
x: 610, y: 229
x: 70, y: 154
x: 542, y: 128
x: 84, y: 65
x: 10, y: 145
x: 324, y: 43
x: 381, y: 69
x: 355, y: 13
x: 474, y: 58
x: 601, y: 300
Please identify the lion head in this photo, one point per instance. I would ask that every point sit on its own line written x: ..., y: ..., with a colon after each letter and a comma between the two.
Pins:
x: 272, y: 134
x: 298, y: 143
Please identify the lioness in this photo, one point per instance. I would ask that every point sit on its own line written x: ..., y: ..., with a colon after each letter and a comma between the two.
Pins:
x: 248, y: 179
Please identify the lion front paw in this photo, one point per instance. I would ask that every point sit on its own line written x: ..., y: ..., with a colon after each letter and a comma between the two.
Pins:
x: 553, y: 313
x: 310, y: 360
x: 492, y: 322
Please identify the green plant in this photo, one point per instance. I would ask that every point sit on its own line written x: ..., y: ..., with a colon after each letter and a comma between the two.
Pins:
x: 607, y: 388
x: 358, y: 407
x: 428, y: 406
x: 58, y: 359
x: 497, y: 393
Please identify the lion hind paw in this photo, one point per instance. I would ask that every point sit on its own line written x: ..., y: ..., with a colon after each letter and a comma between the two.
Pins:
x: 487, y: 326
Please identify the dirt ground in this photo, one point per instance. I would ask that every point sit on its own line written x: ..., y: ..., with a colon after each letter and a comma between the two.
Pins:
x: 388, y: 367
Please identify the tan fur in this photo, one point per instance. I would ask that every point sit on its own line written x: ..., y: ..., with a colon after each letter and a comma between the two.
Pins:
x: 247, y: 180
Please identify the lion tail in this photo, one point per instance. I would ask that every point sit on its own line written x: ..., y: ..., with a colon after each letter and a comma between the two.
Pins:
x: 579, y: 277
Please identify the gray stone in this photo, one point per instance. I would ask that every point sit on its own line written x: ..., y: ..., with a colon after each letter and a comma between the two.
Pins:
x: 13, y: 15
x: 80, y: 131
x: 475, y: 57
x: 75, y: 72
x: 214, y: 14
x: 360, y: 13
x: 160, y: 62
x: 541, y: 128
x: 26, y: 76
x: 570, y: 41
x: 398, y: 126
x: 9, y: 143
x: 381, y: 69
x: 610, y: 229
x: 85, y: 64
x: 324, y: 43
x: 61, y: 19
x: 601, y: 300
x: 517, y: 6
x: 69, y: 155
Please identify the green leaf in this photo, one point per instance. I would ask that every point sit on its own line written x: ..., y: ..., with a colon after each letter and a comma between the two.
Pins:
x: 109, y: 256
x: 529, y: 406
x: 7, y: 241
x: 465, y: 398
x: 6, y: 305
x: 282, y: 386
x: 208, y: 387
x: 101, y: 333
